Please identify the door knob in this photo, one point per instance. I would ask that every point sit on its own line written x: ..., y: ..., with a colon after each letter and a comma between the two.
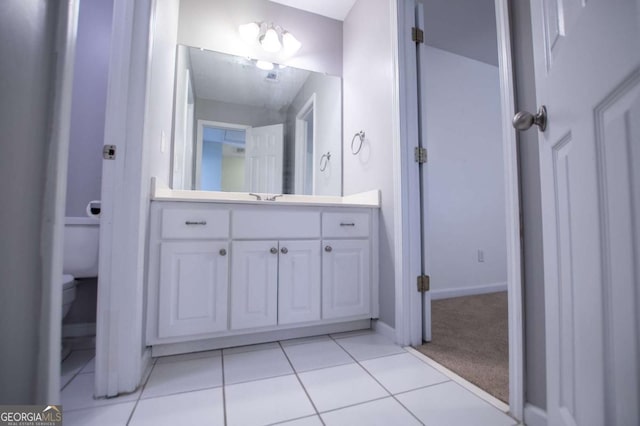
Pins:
x: 284, y: 250
x: 524, y: 120
x: 273, y: 250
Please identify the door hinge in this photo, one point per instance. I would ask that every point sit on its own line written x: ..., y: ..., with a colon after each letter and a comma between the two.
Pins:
x: 109, y: 152
x: 423, y: 283
x: 420, y: 155
x: 417, y: 35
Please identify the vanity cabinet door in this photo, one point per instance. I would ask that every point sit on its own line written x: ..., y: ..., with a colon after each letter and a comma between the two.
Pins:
x: 299, y: 282
x: 192, y: 296
x: 254, y: 284
x: 346, y: 286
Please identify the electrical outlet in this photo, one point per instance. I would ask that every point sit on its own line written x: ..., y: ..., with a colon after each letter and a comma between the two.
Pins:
x: 480, y: 256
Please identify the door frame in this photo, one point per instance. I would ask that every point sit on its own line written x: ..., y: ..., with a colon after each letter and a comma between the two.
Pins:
x: 301, y: 143
x: 408, y: 325
x: 197, y: 167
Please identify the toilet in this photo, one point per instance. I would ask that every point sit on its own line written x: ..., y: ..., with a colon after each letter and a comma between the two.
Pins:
x: 80, y: 255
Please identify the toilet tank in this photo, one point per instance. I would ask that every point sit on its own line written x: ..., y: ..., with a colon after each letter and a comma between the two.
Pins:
x: 80, y: 256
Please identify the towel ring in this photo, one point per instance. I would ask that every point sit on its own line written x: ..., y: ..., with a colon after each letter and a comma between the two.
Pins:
x: 360, y: 135
x: 324, y: 161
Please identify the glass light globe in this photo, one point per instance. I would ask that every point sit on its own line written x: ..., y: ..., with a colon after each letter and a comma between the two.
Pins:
x: 264, y: 65
x: 249, y: 32
x: 271, y: 41
x: 291, y: 44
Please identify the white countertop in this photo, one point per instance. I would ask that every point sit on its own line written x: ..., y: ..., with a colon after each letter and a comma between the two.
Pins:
x: 363, y: 199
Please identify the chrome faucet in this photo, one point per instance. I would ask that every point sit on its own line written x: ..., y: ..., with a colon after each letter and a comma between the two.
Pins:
x: 258, y: 197
x: 273, y: 197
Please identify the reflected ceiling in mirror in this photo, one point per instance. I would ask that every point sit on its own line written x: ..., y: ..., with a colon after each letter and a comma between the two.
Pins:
x: 243, y: 128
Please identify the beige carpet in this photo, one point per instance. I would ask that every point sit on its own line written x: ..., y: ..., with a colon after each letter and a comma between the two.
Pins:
x: 470, y: 337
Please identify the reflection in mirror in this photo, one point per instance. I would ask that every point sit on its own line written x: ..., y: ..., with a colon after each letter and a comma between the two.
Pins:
x: 241, y: 128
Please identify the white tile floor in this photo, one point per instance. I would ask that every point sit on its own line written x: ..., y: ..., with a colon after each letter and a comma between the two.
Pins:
x: 345, y: 379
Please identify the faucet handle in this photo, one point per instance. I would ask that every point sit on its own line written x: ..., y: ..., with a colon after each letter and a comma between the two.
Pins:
x: 273, y: 197
x: 258, y: 197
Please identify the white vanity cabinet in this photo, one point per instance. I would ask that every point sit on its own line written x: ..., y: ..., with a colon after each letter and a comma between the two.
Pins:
x: 223, y: 274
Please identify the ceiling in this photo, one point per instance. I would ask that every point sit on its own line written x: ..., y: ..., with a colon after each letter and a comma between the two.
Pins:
x: 335, y: 9
x: 237, y: 80
x: 464, y: 27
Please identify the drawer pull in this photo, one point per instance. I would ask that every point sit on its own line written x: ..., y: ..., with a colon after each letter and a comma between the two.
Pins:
x: 223, y: 252
x: 273, y: 250
x: 347, y: 224
x: 284, y: 250
x: 328, y: 249
x: 193, y: 222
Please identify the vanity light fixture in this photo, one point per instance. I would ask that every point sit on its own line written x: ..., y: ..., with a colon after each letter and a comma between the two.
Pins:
x: 272, y: 38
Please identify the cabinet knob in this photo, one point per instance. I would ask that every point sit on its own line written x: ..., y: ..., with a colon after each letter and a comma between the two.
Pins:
x: 273, y: 250
x: 328, y: 249
x: 284, y: 250
x: 223, y: 252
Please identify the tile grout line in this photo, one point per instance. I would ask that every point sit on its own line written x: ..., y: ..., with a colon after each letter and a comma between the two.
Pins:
x: 377, y: 381
x: 302, y: 384
x: 77, y: 373
x: 224, y: 391
x: 144, y: 386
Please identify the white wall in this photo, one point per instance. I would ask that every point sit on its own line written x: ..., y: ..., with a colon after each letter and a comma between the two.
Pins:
x: 465, y: 188
x: 368, y: 101
x: 328, y: 131
x: 207, y: 109
x: 213, y: 24
x: 27, y: 34
x: 160, y: 93
x: 91, y: 69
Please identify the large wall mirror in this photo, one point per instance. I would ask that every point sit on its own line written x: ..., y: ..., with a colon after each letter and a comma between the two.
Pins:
x: 247, y: 126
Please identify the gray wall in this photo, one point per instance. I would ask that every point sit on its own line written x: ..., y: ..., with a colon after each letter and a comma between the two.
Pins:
x: 535, y: 364
x: 368, y: 105
x: 27, y: 34
x: 89, y: 102
x: 465, y: 178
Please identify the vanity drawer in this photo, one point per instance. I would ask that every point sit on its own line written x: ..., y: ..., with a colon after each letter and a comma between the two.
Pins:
x: 275, y: 224
x: 195, y: 223
x: 345, y: 225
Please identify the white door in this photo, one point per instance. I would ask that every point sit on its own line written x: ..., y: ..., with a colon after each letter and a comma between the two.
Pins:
x: 587, y: 59
x: 193, y: 288
x: 264, y: 159
x: 299, y: 282
x: 254, y: 284
x: 346, y: 289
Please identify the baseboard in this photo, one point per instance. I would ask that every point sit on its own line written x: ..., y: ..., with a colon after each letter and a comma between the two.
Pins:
x: 468, y: 291
x: 534, y: 416
x: 256, y: 338
x: 384, y: 329
x: 79, y: 330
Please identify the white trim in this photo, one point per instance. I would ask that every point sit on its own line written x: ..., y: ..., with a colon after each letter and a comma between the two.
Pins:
x: 481, y: 393
x: 384, y: 329
x: 512, y: 213
x: 125, y: 199
x: 48, y: 364
x: 300, y: 165
x: 408, y: 309
x: 534, y: 416
x: 407, y: 187
x: 79, y: 329
x: 252, y: 338
x: 468, y: 291
x: 198, y: 151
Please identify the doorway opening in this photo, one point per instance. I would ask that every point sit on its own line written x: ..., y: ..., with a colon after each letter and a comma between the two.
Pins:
x: 469, y: 208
